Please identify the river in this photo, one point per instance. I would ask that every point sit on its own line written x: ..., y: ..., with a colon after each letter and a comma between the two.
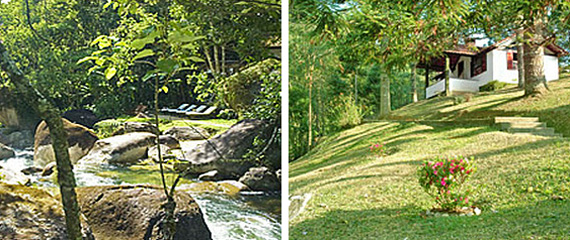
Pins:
x: 228, y: 216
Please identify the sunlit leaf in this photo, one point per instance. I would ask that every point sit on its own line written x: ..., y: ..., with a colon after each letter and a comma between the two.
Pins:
x: 85, y: 59
x: 110, y: 73
x: 143, y: 54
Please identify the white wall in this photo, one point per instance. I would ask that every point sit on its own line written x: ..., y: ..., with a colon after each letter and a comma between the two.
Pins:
x: 462, y: 85
x: 500, y: 71
x: 551, y: 67
x: 436, y: 88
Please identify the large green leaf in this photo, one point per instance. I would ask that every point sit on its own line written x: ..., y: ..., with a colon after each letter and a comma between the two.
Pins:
x: 167, y: 65
x: 144, y: 53
x: 142, y: 42
x: 181, y: 37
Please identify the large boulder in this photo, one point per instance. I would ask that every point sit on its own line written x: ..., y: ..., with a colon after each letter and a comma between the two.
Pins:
x: 15, y: 113
x: 6, y: 152
x: 123, y: 149
x: 79, y: 138
x: 81, y: 116
x: 17, y: 139
x: 187, y: 133
x: 9, y: 176
x: 134, y: 212
x: 32, y: 213
x: 261, y: 179
x: 129, y: 127
x: 233, y: 145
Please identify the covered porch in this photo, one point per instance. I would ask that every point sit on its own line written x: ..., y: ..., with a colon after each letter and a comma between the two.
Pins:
x: 462, y: 63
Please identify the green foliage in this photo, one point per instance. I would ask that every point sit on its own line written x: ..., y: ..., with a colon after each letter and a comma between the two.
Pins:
x: 443, y: 180
x: 255, y: 91
x: 492, y: 86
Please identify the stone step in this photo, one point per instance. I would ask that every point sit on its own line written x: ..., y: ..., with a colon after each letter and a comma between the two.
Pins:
x: 507, y: 125
x: 542, y: 134
x: 515, y: 119
x: 539, y: 130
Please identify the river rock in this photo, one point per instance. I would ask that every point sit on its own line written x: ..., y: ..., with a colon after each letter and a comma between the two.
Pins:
x: 134, y: 212
x: 81, y: 116
x: 9, y: 176
x: 31, y: 170
x: 18, y: 139
x: 261, y: 179
x: 79, y: 138
x: 187, y: 133
x: 169, y: 141
x: 130, y: 127
x: 164, y: 151
x: 122, y: 149
x: 210, y: 176
x: 32, y: 213
x: 233, y: 144
x: 48, y: 169
x: 6, y: 152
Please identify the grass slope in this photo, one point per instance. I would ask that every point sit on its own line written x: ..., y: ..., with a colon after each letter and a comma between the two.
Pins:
x: 553, y: 108
x: 519, y: 178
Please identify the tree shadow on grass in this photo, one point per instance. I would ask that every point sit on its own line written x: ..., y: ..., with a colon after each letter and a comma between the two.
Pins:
x: 542, y: 219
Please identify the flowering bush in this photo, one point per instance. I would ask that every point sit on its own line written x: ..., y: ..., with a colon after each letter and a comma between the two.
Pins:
x: 443, y: 179
x: 378, y: 149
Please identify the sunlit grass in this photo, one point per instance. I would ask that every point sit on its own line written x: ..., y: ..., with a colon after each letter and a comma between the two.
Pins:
x: 552, y: 108
x: 359, y: 196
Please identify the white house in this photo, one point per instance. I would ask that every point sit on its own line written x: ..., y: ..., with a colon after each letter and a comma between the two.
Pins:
x: 472, y: 67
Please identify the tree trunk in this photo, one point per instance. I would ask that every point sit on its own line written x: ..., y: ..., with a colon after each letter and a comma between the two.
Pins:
x: 520, y: 57
x: 384, y: 96
x: 52, y: 116
x: 310, y: 136
x: 355, y: 89
x: 535, y: 81
x: 446, y: 73
x: 414, y: 84
x: 427, y: 77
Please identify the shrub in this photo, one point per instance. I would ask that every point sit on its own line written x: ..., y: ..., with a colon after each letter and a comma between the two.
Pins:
x: 443, y: 179
x: 378, y: 149
x: 492, y: 86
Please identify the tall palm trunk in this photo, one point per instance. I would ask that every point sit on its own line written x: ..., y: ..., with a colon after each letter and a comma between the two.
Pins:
x: 414, y: 84
x: 535, y: 81
x: 384, y: 95
x: 520, y: 57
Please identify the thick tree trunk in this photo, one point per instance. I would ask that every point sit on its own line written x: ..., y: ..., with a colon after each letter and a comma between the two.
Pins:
x: 52, y: 116
x: 447, y: 90
x: 414, y: 84
x: 520, y: 57
x: 535, y: 81
x: 384, y: 96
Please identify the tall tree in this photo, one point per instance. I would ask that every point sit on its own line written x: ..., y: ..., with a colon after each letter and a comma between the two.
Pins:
x: 52, y: 116
x: 538, y: 21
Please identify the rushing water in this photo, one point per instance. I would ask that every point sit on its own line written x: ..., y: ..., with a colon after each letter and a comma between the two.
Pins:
x: 228, y: 217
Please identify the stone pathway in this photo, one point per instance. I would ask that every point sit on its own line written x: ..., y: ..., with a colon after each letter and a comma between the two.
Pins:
x: 525, y: 125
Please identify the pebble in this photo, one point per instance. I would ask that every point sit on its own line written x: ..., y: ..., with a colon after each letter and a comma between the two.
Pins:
x: 477, y: 211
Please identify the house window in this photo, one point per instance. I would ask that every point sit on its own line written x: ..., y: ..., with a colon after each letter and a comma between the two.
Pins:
x: 479, y: 64
x: 511, y: 60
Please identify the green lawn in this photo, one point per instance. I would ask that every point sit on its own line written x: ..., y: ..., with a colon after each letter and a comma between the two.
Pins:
x: 519, y: 181
x: 553, y: 108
